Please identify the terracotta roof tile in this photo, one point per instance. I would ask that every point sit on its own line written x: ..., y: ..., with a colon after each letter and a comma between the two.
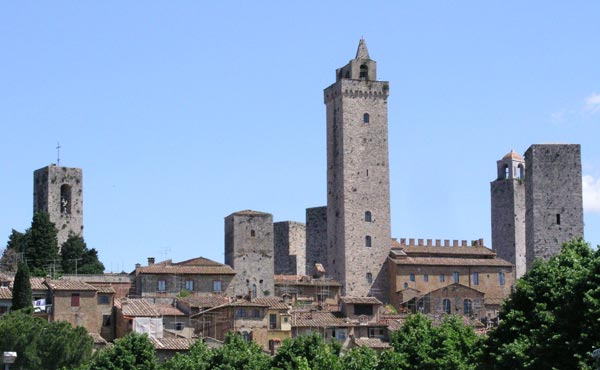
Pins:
x: 275, y: 303
x: 375, y: 343
x: 360, y: 300
x: 168, y: 310
x: 173, y: 344
x: 451, y: 261
x: 189, y: 270
x: 205, y: 301
x: 104, y: 289
x: 61, y: 284
x: 317, y: 319
x: 5, y: 293
x: 136, y: 307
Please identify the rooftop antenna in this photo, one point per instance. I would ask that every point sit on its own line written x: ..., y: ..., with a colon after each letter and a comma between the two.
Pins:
x: 58, y: 153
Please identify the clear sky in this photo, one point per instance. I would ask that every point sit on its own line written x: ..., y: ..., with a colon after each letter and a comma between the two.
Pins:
x: 180, y: 113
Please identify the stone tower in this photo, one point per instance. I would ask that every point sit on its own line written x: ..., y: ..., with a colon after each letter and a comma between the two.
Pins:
x: 290, y: 248
x: 249, y: 251
x: 358, y: 190
x: 508, y: 211
x: 58, y: 191
x: 553, y: 198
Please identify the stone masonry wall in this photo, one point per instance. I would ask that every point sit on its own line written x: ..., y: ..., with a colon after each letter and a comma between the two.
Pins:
x: 66, y: 213
x: 554, y: 206
x: 290, y: 248
x: 249, y: 251
x: 358, y: 182
x: 316, y: 239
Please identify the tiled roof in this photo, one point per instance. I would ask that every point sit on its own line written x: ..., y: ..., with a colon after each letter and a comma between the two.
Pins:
x: 375, y: 343
x: 104, y: 289
x: 317, y: 319
x: 98, y: 338
x: 93, y: 279
x: 6, y: 277
x: 244, y: 303
x: 360, y: 300
x: 62, y: 284
x: 188, y: 270
x: 275, y: 303
x: 173, y: 344
x: 493, y: 301
x: 205, y: 301
x: 198, y: 261
x: 451, y: 261
x: 303, y: 281
x: 168, y: 310
x: 5, y: 293
x: 37, y: 283
x: 136, y: 307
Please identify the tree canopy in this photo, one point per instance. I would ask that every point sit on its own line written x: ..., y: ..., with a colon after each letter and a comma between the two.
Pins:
x: 132, y: 352
x: 42, y: 246
x: 552, y: 319
x: 76, y: 258
x: 21, y: 293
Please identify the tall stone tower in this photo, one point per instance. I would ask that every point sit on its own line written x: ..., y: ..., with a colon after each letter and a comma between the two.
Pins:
x: 249, y: 251
x: 58, y: 191
x: 358, y: 190
x: 290, y: 248
x: 553, y: 198
x: 508, y: 211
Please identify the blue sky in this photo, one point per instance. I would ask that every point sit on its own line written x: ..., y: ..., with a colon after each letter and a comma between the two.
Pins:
x: 181, y: 113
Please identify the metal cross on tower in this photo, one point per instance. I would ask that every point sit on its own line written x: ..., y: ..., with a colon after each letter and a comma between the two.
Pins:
x: 58, y: 153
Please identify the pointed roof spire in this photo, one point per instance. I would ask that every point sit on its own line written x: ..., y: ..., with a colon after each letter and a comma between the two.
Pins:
x: 362, y: 52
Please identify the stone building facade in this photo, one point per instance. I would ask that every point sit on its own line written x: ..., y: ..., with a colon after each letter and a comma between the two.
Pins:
x: 358, y: 193
x: 316, y: 238
x: 249, y: 251
x: 553, y: 200
x: 290, y: 248
x: 58, y: 191
x: 537, y: 203
x: 508, y: 211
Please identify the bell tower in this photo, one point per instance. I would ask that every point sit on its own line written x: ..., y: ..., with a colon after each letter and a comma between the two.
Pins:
x: 358, y: 186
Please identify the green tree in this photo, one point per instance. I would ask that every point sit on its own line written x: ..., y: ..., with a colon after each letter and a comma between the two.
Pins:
x: 17, y: 243
x: 197, y: 358
x: 43, y: 345
x: 552, y: 319
x: 21, y: 293
x: 237, y: 354
x: 132, y: 352
x: 77, y: 258
x: 42, y: 246
x: 311, y: 348
x: 361, y: 358
x: 422, y: 346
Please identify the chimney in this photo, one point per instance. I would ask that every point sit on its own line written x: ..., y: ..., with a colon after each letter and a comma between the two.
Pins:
x: 150, y: 261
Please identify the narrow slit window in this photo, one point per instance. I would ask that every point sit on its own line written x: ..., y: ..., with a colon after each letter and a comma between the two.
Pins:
x: 368, y: 241
x: 366, y: 118
x: 558, y: 218
x: 368, y: 216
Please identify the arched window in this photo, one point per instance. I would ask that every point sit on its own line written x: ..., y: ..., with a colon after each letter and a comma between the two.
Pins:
x: 366, y: 118
x: 368, y: 216
x: 368, y: 241
x: 446, y: 306
x: 253, y: 290
x: 65, y: 199
x: 506, y: 171
x: 369, y: 278
x: 468, y: 307
x: 521, y: 171
x: 364, y: 72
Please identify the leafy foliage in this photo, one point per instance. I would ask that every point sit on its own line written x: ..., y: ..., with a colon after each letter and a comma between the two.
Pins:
x: 552, y: 320
x: 237, y: 354
x: 310, y: 348
x: 17, y: 243
x: 132, y: 352
x: 43, y: 345
x: 21, y: 288
x: 361, y: 358
x: 199, y: 357
x: 42, y: 246
x: 77, y: 258
x: 422, y: 346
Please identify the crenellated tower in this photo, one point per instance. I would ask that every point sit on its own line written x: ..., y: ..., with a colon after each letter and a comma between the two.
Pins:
x: 358, y: 190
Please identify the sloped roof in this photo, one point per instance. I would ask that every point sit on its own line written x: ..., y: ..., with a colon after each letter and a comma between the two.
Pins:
x: 304, y: 280
x: 173, y: 344
x: 104, y: 288
x: 360, y: 300
x: 61, y: 284
x: 374, y: 343
x: 513, y: 155
x: 194, y: 266
x: 456, y: 285
x: 205, y: 301
x: 275, y: 303
x: 168, y: 310
x: 5, y: 293
x: 317, y: 319
x: 136, y: 307
x: 451, y: 261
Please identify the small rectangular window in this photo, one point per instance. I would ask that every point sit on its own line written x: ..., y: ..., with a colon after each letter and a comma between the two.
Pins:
x: 442, y: 278
x: 241, y: 312
x: 189, y: 285
x: 475, y: 278
x: 455, y: 276
x: 103, y: 299
x: 252, y: 233
x: 75, y: 300
x: 501, y: 278
x: 412, y: 277
x: 558, y: 218
x: 425, y: 277
x: 217, y: 286
x: 161, y: 285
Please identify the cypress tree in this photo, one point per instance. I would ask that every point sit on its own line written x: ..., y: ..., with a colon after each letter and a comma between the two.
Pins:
x: 21, y: 288
x: 42, y: 248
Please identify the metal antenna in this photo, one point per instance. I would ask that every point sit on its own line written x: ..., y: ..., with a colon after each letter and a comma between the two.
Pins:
x: 58, y: 153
